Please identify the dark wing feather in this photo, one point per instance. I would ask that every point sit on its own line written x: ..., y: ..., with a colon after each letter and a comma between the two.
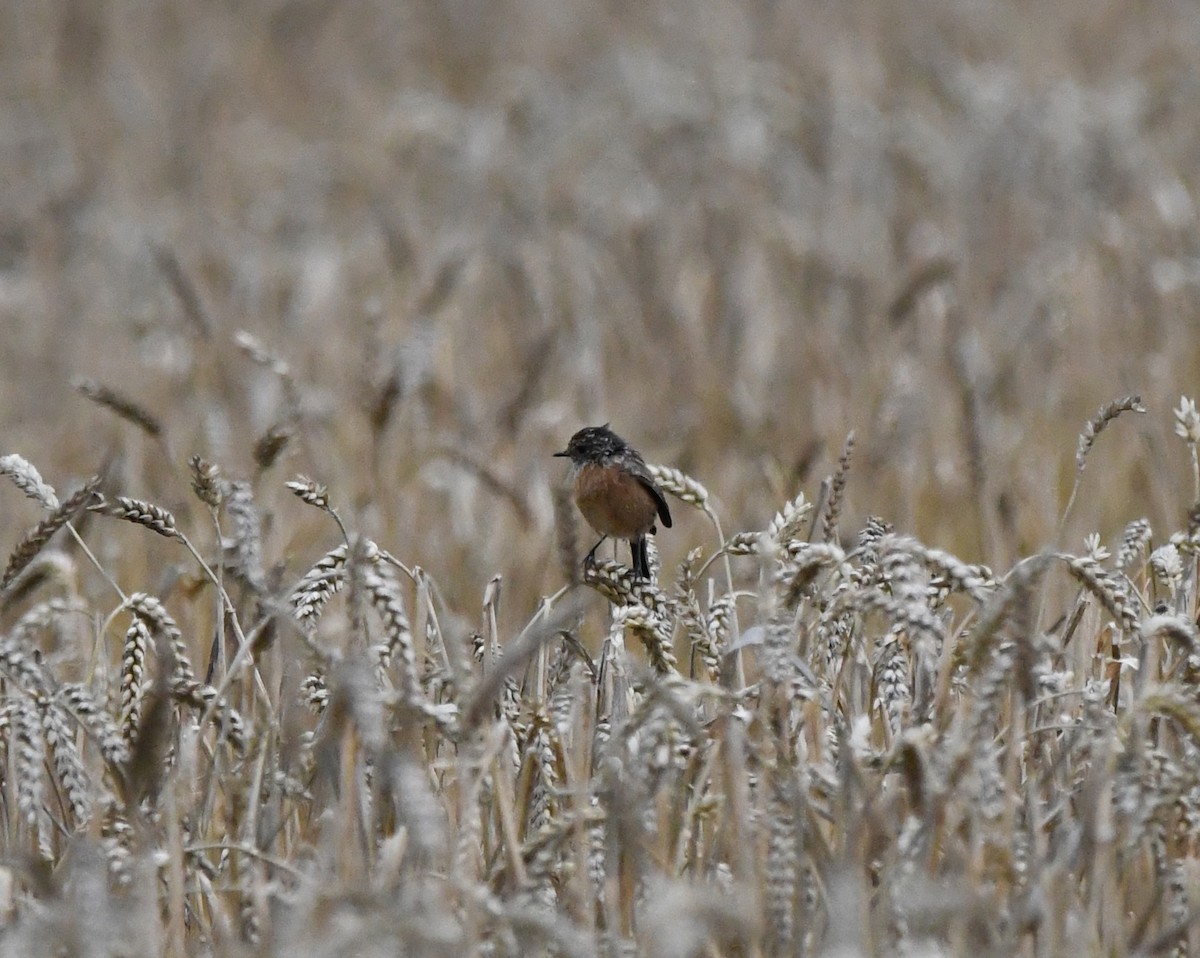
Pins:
x: 643, y: 476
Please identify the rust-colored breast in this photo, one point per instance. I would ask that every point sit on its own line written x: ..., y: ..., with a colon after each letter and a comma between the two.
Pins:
x: 614, y: 502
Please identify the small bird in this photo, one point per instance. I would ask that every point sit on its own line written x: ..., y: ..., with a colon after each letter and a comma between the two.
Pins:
x: 615, y: 491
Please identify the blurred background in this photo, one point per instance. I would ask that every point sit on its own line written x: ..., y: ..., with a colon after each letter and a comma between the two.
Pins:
x: 458, y: 230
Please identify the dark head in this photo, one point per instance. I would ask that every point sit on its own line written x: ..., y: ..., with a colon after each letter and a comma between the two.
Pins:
x: 593, y: 443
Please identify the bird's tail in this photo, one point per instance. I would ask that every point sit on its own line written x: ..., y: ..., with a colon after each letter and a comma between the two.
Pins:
x: 641, y: 557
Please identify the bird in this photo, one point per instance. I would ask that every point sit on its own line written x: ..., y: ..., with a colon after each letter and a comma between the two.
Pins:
x: 615, y: 492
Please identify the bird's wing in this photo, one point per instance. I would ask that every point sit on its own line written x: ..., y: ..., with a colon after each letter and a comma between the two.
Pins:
x: 643, y: 476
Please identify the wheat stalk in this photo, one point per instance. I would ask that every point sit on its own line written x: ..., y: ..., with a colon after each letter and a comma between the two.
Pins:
x: 1092, y: 429
x: 837, y: 488
x: 139, y: 512
x: 122, y: 406
x: 26, y: 478
x: 36, y: 539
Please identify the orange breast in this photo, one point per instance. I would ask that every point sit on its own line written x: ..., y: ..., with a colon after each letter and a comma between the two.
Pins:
x: 613, y: 502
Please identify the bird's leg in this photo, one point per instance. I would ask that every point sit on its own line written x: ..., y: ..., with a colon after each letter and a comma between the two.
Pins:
x: 641, y: 558
x: 590, y: 558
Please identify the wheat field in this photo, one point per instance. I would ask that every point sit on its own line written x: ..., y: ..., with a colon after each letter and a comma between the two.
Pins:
x: 298, y: 651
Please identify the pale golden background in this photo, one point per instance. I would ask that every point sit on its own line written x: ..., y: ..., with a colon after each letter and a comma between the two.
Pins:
x: 736, y: 230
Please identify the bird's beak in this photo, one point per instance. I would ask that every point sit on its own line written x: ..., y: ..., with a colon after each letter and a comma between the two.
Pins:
x: 563, y: 453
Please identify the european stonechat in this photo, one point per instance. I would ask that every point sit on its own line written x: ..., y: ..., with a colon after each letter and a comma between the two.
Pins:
x: 615, y: 492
